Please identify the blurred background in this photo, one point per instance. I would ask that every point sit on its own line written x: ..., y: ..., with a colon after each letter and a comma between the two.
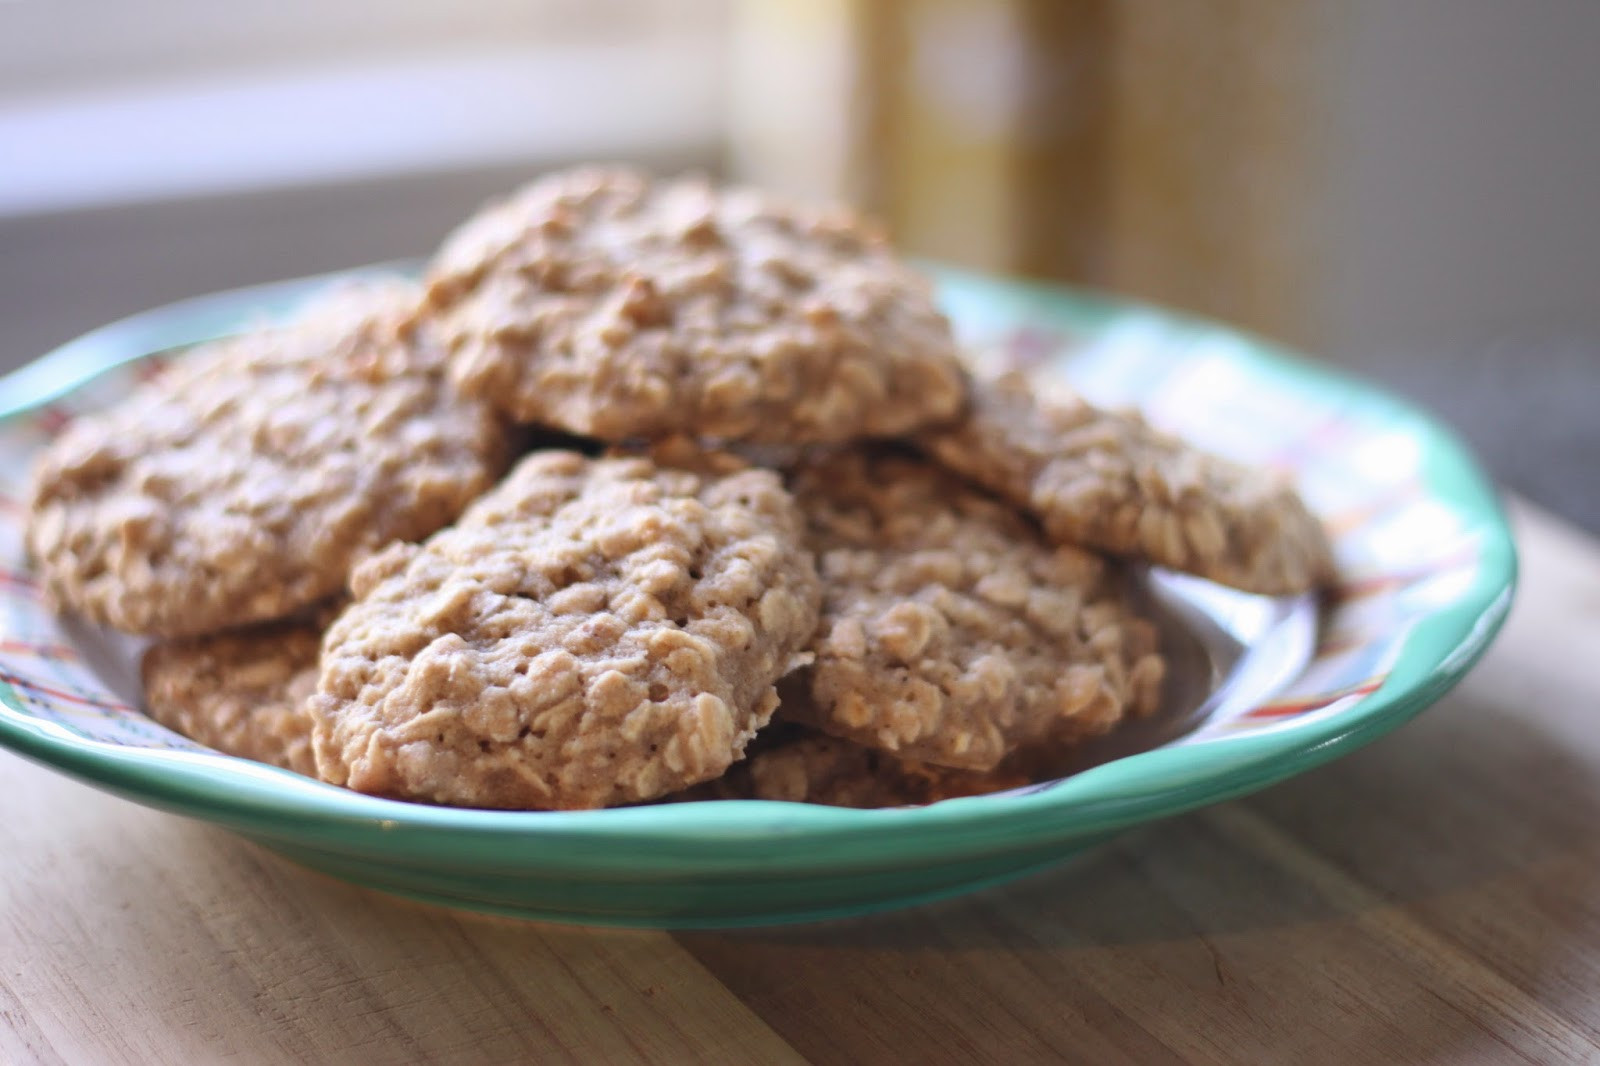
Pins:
x: 1403, y: 187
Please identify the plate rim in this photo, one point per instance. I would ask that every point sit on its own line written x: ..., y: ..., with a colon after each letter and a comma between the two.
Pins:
x: 1432, y: 658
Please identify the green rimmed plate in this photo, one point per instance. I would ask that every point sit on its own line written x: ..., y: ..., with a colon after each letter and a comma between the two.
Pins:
x: 1428, y: 569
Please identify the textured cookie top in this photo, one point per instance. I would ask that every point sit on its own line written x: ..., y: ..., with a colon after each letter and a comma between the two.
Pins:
x: 246, y: 481
x: 815, y: 768
x: 1108, y: 480
x: 242, y: 692
x: 951, y: 632
x: 600, y: 302
x: 592, y: 632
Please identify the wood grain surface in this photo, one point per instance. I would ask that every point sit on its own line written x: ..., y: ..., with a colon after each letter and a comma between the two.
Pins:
x: 1434, y: 897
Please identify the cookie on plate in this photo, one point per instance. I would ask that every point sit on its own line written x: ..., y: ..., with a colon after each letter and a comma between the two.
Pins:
x: 242, y: 692
x: 607, y: 304
x: 816, y: 768
x: 1107, y: 480
x: 592, y: 632
x: 244, y: 483
x: 951, y: 632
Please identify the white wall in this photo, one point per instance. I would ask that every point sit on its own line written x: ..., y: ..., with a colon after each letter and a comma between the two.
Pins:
x: 1462, y: 231
x: 50, y: 46
x: 153, y: 149
x: 108, y: 102
x: 1464, y: 170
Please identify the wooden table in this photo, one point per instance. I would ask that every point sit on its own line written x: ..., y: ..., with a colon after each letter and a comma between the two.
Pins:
x: 1434, y: 897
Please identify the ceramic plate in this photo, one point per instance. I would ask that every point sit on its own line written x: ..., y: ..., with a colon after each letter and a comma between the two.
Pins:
x: 1265, y: 688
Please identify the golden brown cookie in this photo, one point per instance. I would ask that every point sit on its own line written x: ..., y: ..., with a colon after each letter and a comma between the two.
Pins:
x: 245, y: 482
x: 603, y: 303
x: 951, y: 632
x: 242, y: 692
x: 592, y: 632
x: 815, y: 768
x: 1107, y: 480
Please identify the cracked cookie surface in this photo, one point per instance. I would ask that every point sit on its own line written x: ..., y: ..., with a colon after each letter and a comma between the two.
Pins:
x: 607, y: 304
x: 1108, y: 480
x: 242, y: 692
x: 592, y: 632
x: 245, y: 481
x: 951, y: 632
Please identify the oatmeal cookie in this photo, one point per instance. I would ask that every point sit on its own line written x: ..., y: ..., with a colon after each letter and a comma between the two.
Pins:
x: 606, y: 304
x: 1107, y: 480
x: 245, y: 482
x: 242, y: 692
x: 816, y: 768
x: 951, y: 632
x: 592, y: 632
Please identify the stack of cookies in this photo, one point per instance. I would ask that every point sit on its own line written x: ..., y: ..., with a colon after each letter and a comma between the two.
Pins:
x: 649, y: 490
